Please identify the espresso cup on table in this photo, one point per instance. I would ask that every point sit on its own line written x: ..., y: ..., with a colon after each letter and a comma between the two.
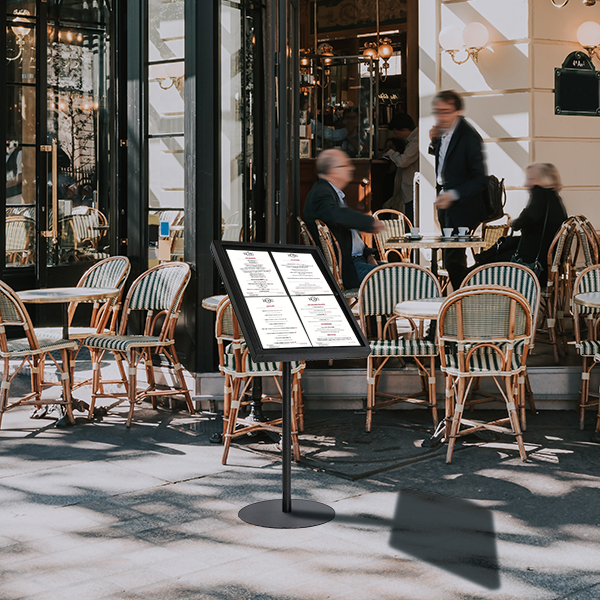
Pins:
x: 463, y: 231
x: 414, y: 232
x: 448, y: 231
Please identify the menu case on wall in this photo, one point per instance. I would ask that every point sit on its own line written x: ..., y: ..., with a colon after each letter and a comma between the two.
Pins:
x: 287, y: 302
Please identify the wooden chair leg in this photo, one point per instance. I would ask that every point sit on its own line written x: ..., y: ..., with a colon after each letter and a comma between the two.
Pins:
x: 178, y: 368
x: 299, y: 401
x: 456, y: 418
x: 294, y: 420
x: 4, y: 390
x: 433, y: 392
x: 132, y: 391
x: 66, y: 383
x: 371, y: 391
x: 514, y: 419
x: 226, y: 402
x: 233, y: 413
x: 585, y: 390
x: 449, y: 404
x: 529, y: 394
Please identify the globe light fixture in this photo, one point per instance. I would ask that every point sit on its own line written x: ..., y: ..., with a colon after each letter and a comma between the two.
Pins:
x: 470, y: 41
x: 588, y: 35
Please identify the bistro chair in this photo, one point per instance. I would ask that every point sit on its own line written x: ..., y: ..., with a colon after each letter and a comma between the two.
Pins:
x: 522, y: 279
x: 333, y: 258
x: 236, y: 364
x: 31, y: 350
x: 19, y: 240
x: 305, y: 237
x: 155, y: 295
x: 587, y: 281
x: 473, y: 345
x: 383, y: 288
x: 82, y: 234
x: 397, y: 225
x: 556, y: 291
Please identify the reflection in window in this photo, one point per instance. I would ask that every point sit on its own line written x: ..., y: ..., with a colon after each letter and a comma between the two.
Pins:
x: 166, y: 141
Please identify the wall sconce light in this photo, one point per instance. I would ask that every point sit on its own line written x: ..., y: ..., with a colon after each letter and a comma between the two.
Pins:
x: 565, y: 2
x: 588, y: 35
x: 20, y: 31
x: 167, y: 75
x: 470, y: 40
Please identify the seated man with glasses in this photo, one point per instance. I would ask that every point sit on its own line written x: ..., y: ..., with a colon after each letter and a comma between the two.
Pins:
x: 325, y: 202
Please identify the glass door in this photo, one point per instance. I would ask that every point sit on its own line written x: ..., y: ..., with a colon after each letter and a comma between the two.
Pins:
x: 58, y: 139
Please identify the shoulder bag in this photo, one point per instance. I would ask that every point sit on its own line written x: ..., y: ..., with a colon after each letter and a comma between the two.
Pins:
x: 535, y: 266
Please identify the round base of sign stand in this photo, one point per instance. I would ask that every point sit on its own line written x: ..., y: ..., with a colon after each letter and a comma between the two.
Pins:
x: 304, y: 513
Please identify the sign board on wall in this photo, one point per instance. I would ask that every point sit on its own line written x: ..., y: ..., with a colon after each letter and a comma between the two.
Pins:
x: 577, y: 87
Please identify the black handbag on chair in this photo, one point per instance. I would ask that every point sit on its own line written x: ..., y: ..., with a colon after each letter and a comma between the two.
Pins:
x: 536, y: 265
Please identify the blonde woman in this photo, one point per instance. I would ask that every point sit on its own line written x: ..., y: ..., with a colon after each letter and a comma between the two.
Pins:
x: 537, y: 231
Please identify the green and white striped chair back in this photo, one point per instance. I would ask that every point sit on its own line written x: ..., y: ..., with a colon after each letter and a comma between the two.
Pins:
x: 13, y: 313
x: 588, y: 281
x: 108, y: 273
x: 584, y: 244
x: 486, y: 315
x: 509, y: 275
x: 159, y: 288
x: 389, y: 284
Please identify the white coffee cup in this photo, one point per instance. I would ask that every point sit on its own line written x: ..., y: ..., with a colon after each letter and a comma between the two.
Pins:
x: 414, y: 231
x: 463, y: 231
x: 448, y: 231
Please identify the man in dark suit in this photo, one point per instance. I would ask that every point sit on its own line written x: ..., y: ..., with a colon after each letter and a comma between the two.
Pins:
x: 460, y: 175
x: 325, y: 202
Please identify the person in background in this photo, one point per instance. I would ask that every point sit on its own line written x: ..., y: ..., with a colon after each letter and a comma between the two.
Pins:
x: 460, y: 175
x: 543, y: 182
x: 325, y: 202
x: 14, y: 173
x: 406, y: 161
x: 392, y: 180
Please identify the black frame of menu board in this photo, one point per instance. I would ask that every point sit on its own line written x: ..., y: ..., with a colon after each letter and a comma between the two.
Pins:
x: 242, y: 311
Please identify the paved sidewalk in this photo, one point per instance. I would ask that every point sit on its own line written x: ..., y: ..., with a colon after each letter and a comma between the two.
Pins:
x: 99, y: 511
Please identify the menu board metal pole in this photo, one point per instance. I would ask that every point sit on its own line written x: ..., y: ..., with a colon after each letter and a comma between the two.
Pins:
x: 286, y: 437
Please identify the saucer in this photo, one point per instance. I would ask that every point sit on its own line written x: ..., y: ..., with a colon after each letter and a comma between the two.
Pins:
x: 409, y: 236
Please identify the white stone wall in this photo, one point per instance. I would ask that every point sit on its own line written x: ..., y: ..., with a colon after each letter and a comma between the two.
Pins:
x: 509, y: 96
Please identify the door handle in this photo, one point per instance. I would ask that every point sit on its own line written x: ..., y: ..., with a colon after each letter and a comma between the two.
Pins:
x: 52, y: 232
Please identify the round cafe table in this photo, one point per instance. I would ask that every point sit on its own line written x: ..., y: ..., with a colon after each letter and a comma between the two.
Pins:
x: 212, y: 302
x: 589, y: 299
x: 65, y: 296
x: 425, y: 308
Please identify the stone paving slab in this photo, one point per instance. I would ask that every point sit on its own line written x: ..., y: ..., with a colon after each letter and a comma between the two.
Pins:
x: 99, y: 512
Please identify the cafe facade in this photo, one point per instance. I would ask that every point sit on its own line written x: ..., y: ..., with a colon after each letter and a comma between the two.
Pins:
x: 170, y: 124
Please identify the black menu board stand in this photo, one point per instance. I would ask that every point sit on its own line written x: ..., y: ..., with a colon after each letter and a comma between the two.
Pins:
x: 290, y: 309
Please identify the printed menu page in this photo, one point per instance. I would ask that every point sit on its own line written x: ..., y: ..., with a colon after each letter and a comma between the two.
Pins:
x: 256, y: 273
x: 324, y: 321
x: 277, y: 323
x: 301, y: 274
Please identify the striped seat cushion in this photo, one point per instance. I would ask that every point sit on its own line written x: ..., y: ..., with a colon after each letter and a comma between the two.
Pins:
x: 588, y: 348
x: 484, y: 360
x: 251, y: 367
x: 123, y: 343
x: 47, y: 343
x: 403, y: 348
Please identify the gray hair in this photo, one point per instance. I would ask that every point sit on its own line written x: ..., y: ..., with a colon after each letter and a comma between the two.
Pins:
x: 327, y: 160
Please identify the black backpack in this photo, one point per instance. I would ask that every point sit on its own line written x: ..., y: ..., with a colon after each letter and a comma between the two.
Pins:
x: 494, y: 197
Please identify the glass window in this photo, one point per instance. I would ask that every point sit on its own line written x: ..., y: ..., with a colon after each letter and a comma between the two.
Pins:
x: 166, y: 142
x: 232, y: 122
